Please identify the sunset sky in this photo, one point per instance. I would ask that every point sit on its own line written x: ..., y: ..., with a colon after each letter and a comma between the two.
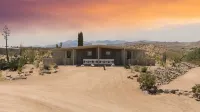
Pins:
x: 42, y: 22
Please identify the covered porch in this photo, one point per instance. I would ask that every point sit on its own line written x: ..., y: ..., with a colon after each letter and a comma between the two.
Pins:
x: 99, y: 55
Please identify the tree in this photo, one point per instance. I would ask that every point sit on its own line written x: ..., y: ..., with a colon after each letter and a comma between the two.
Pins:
x: 6, y: 33
x: 80, y: 39
x: 56, y: 45
x: 60, y: 44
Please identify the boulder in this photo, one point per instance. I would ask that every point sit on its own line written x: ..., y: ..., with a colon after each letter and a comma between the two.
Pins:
x: 54, y: 71
x: 153, y: 90
x: 146, y: 92
x: 27, y: 74
x: 173, y: 91
x: 166, y: 91
x: 135, y: 75
x: 19, y: 77
x: 31, y: 71
x: 46, y: 72
x: 160, y: 91
x: 130, y: 77
x: 191, y: 96
x: 178, y: 93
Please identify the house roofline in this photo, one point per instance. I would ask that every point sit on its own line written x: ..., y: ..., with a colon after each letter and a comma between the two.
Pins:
x: 95, y: 46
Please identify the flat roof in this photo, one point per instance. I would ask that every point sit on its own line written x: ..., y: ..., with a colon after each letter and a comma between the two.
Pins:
x: 95, y: 46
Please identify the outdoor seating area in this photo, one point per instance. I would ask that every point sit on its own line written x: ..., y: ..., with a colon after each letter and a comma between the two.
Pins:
x: 98, y: 61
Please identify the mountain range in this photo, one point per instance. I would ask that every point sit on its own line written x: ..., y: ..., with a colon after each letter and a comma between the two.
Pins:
x: 74, y: 43
x: 169, y: 45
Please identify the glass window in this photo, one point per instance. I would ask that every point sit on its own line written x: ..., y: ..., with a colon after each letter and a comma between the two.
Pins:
x: 108, y: 53
x: 89, y: 53
x: 68, y: 54
x: 128, y: 55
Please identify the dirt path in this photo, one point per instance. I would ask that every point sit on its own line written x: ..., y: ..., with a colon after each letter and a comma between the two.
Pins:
x: 185, y: 82
x: 84, y: 89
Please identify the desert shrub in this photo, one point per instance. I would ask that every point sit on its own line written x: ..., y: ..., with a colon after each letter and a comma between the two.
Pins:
x: 196, y: 89
x: 55, y: 66
x: 29, y: 55
x: 47, y: 67
x: 13, y: 64
x: 16, y: 63
x: 164, y: 57
x: 147, y: 81
x: 22, y: 62
x: 127, y: 67
x: 36, y: 63
x: 137, y: 68
x: 19, y: 69
x: 144, y: 69
x: 3, y: 64
x: 193, y: 56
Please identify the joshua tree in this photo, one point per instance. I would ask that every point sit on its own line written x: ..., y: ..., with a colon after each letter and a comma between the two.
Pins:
x: 80, y: 39
x: 6, y: 33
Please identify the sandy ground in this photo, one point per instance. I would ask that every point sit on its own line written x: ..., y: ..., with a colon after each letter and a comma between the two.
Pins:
x: 87, y: 89
x: 185, y: 82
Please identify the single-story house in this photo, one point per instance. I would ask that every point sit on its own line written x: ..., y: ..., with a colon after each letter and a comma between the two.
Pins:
x: 99, y: 55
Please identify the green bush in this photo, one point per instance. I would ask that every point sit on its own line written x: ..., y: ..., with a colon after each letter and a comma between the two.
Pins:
x: 22, y: 62
x: 19, y: 69
x: 127, y: 67
x: 13, y: 64
x: 144, y: 69
x: 3, y: 64
x: 137, y: 68
x: 193, y: 56
x: 196, y: 89
x: 147, y: 81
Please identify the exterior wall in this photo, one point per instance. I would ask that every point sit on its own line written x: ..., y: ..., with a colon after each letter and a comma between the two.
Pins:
x: 120, y: 56
x: 60, y: 57
x: 74, y: 57
x: 123, y: 57
x: 48, y: 61
x: 115, y: 54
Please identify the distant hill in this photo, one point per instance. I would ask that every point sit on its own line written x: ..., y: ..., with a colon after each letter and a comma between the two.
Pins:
x: 74, y: 43
x: 168, y: 45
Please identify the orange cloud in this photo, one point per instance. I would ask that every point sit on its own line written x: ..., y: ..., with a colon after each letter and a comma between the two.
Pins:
x: 104, y: 13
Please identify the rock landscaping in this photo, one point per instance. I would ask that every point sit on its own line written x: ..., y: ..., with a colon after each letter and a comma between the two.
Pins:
x: 166, y: 75
x: 178, y: 92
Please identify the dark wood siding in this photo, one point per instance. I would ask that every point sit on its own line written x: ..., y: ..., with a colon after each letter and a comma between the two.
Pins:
x: 82, y: 54
x: 114, y: 54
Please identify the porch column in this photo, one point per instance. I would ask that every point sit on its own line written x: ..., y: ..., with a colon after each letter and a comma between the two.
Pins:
x: 73, y: 56
x: 98, y: 54
x: 65, y: 58
x: 124, y: 57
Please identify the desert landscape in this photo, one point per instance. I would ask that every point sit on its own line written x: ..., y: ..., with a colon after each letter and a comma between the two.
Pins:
x: 99, y: 56
x: 89, y: 89
x: 30, y: 84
